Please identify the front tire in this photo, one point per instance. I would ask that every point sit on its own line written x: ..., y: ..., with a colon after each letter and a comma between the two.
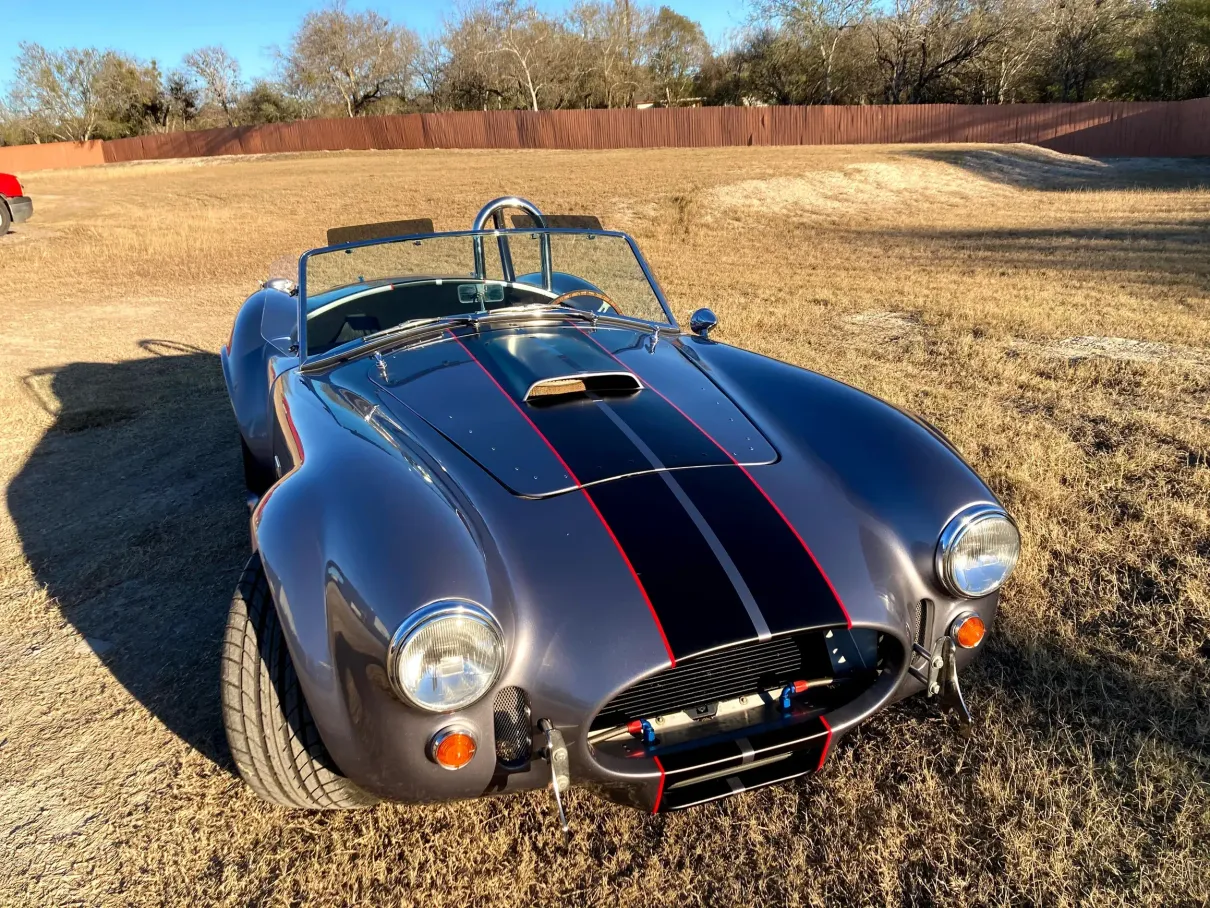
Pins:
x: 6, y: 217
x: 270, y: 730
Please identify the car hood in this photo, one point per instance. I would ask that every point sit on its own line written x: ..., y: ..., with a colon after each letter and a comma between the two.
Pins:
x: 483, y: 391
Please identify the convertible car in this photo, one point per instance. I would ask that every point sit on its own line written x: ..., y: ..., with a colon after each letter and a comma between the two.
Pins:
x: 514, y: 529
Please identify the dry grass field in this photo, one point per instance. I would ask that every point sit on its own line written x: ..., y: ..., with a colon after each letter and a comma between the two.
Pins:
x: 1051, y: 314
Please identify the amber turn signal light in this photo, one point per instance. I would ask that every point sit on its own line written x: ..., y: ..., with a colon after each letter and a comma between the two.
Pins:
x: 968, y: 631
x: 452, y: 748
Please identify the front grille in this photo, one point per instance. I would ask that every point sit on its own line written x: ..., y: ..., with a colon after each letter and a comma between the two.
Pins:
x: 512, y: 726
x: 720, y: 675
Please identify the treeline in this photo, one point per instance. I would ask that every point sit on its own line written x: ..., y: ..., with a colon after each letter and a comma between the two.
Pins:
x: 505, y: 54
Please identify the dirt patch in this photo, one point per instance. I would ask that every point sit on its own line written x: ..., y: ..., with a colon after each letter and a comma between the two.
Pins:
x: 885, y: 325
x: 1127, y: 349
x: 857, y: 189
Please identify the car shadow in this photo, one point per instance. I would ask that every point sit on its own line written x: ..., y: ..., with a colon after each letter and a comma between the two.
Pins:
x: 130, y: 513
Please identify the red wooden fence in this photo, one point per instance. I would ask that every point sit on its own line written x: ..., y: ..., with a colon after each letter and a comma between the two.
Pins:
x: 1096, y: 129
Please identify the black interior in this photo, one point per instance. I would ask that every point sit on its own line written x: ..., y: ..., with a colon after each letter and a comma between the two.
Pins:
x: 364, y: 315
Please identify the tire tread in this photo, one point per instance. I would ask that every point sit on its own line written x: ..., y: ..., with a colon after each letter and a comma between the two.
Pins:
x: 270, y: 730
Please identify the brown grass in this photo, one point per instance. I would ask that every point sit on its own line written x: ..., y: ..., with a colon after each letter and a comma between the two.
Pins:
x: 977, y: 286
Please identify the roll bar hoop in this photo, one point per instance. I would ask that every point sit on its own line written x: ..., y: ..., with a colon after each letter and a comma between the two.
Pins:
x: 495, y: 211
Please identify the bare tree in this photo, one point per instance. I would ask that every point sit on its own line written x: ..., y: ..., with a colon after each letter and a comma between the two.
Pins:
x: 532, y: 45
x: 614, y: 35
x: 349, y: 59
x: 63, y: 93
x: 821, y: 25
x: 219, y: 75
x: 1021, y: 35
x: 1085, y: 36
x: 678, y: 51
x: 919, y: 42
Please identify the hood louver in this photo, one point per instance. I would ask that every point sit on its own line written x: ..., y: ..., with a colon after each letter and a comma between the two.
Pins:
x: 551, y: 390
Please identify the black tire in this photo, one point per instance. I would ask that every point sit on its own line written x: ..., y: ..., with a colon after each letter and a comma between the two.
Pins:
x: 6, y: 217
x: 270, y: 729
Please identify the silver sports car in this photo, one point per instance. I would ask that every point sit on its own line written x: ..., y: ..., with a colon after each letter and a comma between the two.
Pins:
x: 514, y: 529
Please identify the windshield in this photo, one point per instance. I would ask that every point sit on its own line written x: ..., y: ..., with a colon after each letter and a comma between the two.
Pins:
x: 353, y: 292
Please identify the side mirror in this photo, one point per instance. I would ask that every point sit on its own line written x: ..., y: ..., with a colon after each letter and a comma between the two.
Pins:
x: 279, y: 319
x: 281, y: 285
x: 702, y: 322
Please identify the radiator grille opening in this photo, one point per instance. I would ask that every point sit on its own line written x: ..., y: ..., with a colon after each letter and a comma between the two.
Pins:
x: 512, y: 727
x: 851, y: 659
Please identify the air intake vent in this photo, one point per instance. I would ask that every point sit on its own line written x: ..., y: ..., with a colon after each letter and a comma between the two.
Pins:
x: 551, y: 390
x: 748, y: 668
x: 512, y: 725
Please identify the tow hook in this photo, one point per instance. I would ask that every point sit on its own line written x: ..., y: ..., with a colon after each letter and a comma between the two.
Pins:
x: 941, y: 681
x: 555, y: 753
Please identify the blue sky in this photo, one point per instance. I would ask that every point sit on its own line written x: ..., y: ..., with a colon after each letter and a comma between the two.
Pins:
x: 248, y: 28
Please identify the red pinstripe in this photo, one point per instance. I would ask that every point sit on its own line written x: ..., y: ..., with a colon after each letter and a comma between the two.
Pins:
x: 751, y: 478
x: 827, y: 744
x: 659, y: 792
x: 601, y: 517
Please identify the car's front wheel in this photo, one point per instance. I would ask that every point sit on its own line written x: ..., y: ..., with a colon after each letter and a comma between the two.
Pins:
x: 270, y: 730
x: 6, y: 218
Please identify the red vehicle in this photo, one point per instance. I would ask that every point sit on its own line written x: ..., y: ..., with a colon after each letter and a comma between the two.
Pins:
x: 15, y: 206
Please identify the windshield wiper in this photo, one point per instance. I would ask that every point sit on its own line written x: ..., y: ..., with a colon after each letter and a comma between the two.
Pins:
x: 380, y: 339
x: 421, y: 327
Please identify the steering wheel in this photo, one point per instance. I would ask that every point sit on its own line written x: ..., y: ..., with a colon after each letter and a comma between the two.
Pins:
x: 563, y: 297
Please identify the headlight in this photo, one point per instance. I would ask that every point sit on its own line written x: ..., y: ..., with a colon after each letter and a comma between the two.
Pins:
x: 977, y: 551
x: 446, y: 656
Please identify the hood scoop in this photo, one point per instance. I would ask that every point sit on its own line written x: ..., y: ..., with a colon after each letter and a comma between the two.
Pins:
x: 584, y: 384
x: 507, y: 397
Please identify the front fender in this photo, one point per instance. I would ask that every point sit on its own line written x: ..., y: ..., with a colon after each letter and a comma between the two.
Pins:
x: 360, y: 532
x: 857, y: 475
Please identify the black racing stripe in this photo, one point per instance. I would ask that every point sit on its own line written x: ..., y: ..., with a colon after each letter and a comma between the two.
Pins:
x: 674, y: 440
x: 697, y: 605
x: 587, y: 439
x: 783, y: 578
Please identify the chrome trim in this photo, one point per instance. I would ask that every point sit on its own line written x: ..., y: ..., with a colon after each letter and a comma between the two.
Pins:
x: 953, y: 532
x: 433, y: 611
x: 495, y: 210
x: 401, y: 334
x: 702, y: 322
x: 281, y: 285
x: 435, y: 742
x: 959, y: 618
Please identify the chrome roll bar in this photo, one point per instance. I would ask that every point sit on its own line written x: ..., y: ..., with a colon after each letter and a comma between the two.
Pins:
x: 495, y: 211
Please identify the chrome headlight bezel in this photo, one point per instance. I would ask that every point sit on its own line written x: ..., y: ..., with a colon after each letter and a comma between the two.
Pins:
x: 424, y: 617
x: 957, y: 528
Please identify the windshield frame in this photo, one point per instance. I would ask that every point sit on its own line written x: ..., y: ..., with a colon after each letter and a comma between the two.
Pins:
x: 501, y: 235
